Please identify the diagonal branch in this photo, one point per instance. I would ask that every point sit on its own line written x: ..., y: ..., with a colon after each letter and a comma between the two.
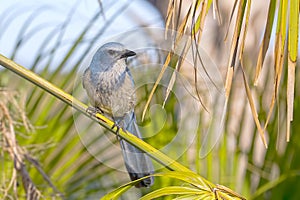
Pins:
x: 81, y: 107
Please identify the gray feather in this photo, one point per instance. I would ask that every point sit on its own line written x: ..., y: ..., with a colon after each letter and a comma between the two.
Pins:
x: 110, y: 87
x: 137, y: 162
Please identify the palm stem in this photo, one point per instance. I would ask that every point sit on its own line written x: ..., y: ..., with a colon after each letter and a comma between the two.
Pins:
x: 81, y: 107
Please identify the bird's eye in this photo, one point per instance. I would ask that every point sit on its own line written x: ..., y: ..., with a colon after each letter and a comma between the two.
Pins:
x: 111, y: 52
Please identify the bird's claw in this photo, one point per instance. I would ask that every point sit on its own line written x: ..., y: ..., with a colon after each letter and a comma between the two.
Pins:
x: 118, y: 126
x: 94, y: 110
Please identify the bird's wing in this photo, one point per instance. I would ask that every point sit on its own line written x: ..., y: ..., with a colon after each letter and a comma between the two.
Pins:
x: 86, y: 75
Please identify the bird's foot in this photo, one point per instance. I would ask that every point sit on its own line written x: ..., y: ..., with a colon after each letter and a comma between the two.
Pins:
x: 94, y: 110
x: 119, y: 125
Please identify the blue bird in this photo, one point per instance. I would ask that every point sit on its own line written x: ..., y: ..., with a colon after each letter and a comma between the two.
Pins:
x: 110, y: 88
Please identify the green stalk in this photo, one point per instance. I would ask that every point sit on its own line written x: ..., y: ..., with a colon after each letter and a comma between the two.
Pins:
x: 81, y: 107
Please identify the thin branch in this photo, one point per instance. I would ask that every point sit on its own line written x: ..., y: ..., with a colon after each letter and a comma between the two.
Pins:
x: 81, y: 107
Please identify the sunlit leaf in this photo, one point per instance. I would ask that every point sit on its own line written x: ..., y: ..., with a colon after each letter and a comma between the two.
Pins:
x: 266, y: 40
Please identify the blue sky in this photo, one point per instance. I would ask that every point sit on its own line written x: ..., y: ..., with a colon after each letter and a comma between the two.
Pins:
x: 42, y: 17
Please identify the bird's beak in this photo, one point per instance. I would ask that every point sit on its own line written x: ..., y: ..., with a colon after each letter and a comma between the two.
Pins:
x: 127, y: 54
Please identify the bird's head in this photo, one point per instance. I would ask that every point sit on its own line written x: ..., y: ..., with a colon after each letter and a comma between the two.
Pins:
x: 110, y: 53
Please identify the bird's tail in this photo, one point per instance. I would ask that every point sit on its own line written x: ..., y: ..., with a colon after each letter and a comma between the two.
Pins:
x: 138, y: 164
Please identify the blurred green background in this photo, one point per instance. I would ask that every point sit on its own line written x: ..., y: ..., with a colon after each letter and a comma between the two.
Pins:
x: 82, y: 160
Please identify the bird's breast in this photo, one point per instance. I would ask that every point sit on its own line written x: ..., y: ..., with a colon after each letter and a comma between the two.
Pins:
x: 112, y: 91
